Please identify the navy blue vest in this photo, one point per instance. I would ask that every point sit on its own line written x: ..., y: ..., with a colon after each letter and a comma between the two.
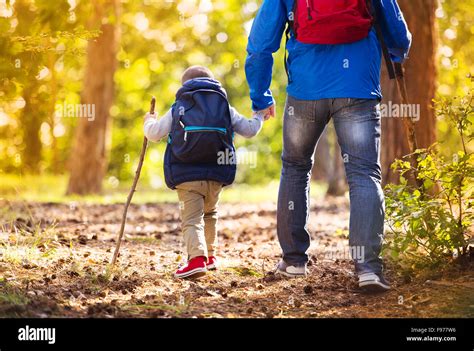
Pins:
x: 200, y: 144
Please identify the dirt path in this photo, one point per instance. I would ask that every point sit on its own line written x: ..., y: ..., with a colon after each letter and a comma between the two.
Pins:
x: 60, y: 268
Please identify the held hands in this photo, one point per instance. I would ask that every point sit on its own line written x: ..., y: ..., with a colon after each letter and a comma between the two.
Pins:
x: 267, y: 113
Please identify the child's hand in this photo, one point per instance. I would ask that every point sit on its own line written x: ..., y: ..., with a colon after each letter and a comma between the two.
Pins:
x: 150, y: 115
x: 258, y: 114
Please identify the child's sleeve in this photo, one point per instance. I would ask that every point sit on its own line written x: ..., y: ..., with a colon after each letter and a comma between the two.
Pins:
x: 155, y: 129
x: 243, y: 126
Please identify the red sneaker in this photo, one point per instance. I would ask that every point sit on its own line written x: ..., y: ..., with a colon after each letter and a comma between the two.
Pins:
x: 212, y: 263
x: 195, y: 267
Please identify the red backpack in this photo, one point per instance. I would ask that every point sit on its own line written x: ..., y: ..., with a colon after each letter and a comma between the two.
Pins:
x: 331, y: 21
x: 336, y: 22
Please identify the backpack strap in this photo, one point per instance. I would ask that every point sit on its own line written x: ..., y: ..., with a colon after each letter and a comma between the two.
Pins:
x: 285, y: 58
x: 289, y: 28
x: 378, y: 32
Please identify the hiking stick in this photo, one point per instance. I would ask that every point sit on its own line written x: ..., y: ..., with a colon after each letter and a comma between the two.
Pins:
x: 408, y: 122
x: 132, y: 190
x: 395, y: 71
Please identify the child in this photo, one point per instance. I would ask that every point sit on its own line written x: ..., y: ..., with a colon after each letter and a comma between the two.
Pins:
x: 200, y: 127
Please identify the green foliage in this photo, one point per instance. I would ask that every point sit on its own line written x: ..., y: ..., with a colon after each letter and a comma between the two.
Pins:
x: 42, y: 54
x: 11, y: 295
x: 428, y: 226
x: 246, y: 272
x: 42, y: 47
x: 42, y: 64
x: 455, y: 58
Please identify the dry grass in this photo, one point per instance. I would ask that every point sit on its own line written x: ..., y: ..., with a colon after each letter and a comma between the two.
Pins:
x: 54, y: 261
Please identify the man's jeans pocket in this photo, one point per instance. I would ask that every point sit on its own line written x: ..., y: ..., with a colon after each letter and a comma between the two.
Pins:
x: 300, y: 109
x: 356, y: 109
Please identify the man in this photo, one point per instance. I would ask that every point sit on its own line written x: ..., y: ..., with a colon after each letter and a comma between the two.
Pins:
x: 340, y: 80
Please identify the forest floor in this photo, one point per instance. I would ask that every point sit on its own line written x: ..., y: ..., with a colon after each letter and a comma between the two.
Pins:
x: 54, y: 263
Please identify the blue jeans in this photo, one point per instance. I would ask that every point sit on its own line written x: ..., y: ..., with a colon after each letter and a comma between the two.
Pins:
x: 357, y: 125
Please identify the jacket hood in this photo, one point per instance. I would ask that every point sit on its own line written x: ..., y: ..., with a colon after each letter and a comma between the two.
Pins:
x: 201, y: 83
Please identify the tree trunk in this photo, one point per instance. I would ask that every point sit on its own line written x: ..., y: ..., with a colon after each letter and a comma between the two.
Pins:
x: 337, y: 184
x: 88, y: 161
x: 328, y: 163
x: 31, y: 118
x: 322, y: 160
x: 55, y: 167
x: 420, y: 74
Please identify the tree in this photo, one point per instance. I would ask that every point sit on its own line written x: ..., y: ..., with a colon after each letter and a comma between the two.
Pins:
x: 337, y: 184
x: 33, y: 40
x: 328, y: 163
x: 322, y: 159
x: 88, y: 162
x: 31, y: 119
x: 421, y: 74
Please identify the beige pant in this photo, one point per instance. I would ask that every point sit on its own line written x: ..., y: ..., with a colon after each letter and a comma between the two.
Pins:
x: 198, y: 204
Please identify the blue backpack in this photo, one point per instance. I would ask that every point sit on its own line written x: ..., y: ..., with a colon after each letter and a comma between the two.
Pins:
x: 200, y: 144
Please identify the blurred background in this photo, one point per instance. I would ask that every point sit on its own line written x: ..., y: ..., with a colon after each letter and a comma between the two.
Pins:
x: 60, y: 58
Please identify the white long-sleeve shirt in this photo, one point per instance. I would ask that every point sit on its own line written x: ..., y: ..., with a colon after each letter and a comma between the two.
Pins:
x: 156, y: 129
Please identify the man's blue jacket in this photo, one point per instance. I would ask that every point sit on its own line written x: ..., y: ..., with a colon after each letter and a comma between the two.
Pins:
x: 321, y: 71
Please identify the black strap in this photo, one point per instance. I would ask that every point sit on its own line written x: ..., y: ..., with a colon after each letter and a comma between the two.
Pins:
x: 287, y: 38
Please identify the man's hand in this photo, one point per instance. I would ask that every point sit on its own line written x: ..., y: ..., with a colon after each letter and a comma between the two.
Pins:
x: 267, y: 113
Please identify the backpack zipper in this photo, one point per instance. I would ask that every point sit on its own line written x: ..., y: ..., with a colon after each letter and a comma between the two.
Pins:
x: 308, y: 8
x: 193, y: 129
x: 184, y: 127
